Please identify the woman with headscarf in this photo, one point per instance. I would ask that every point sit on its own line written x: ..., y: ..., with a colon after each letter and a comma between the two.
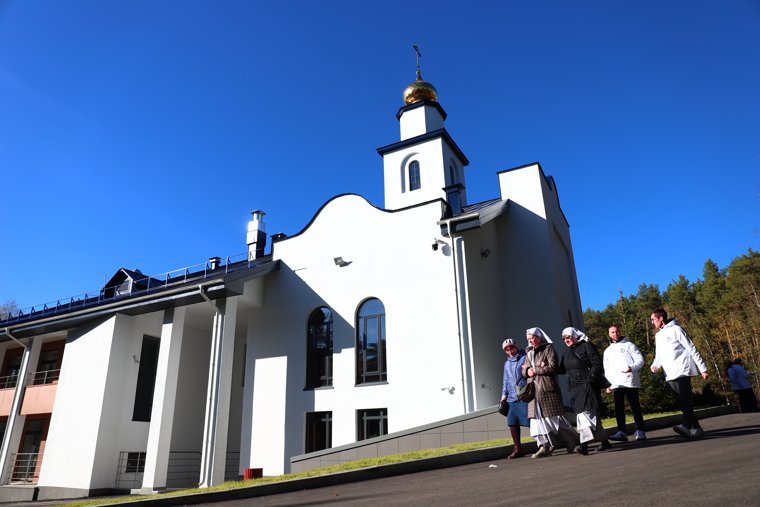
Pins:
x: 585, y: 375
x: 546, y: 412
x: 513, y: 377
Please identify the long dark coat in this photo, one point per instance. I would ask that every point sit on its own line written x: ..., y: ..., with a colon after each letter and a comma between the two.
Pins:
x: 544, y: 361
x: 585, y: 374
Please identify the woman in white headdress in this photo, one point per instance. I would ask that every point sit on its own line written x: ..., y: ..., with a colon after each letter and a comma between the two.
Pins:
x: 585, y: 376
x: 546, y: 412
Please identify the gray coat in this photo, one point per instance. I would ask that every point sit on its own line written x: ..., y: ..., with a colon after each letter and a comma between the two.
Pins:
x: 544, y: 361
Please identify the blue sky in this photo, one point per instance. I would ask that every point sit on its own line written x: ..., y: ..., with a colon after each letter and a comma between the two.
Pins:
x: 141, y: 133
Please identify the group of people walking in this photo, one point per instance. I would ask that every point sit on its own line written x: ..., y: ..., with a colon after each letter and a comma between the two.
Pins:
x: 539, y: 406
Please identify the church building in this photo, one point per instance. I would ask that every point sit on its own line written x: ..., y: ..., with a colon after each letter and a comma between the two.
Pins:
x: 370, y: 320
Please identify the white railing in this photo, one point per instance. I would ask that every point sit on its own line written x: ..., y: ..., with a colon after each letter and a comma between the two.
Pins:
x: 24, y: 467
x: 129, y: 473
x: 8, y: 382
x: 44, y: 377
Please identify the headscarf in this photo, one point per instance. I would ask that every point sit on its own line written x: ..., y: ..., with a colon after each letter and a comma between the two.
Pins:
x: 537, y: 331
x: 578, y: 335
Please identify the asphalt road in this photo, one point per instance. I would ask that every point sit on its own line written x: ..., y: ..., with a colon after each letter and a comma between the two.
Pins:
x: 723, y: 468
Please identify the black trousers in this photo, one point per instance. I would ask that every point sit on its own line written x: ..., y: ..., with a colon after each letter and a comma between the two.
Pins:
x: 619, y: 395
x: 747, y: 400
x: 682, y: 389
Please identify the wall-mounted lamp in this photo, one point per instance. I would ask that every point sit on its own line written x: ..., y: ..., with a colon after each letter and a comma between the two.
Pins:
x: 340, y: 262
x: 437, y: 242
x: 485, y: 253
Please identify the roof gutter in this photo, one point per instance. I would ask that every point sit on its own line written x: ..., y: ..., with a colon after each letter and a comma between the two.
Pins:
x: 460, y: 218
x: 111, y: 306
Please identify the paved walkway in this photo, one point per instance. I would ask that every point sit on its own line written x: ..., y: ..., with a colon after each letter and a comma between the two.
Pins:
x: 720, y: 469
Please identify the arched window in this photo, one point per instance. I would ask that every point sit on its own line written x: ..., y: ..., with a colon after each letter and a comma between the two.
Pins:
x: 414, y: 175
x: 453, y: 176
x: 370, y: 342
x: 319, y: 353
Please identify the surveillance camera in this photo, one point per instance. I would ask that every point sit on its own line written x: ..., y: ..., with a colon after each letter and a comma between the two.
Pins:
x: 435, y: 246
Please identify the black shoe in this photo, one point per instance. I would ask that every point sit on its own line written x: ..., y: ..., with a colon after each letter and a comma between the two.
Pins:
x: 582, y: 449
x: 606, y: 445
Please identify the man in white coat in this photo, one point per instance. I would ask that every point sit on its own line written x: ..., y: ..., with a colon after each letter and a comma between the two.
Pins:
x: 622, y: 362
x: 679, y: 358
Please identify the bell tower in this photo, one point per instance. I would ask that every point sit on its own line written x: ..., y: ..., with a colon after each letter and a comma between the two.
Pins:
x: 426, y: 163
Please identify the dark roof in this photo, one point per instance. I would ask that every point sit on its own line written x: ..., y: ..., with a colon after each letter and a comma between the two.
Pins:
x: 474, y: 216
x: 150, y: 295
x: 435, y: 134
x: 478, y: 206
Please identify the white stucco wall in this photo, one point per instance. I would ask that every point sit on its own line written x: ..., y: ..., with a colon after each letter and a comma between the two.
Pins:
x: 431, y: 156
x: 537, y: 234
x: 92, y: 416
x: 391, y: 259
x: 488, y: 316
x: 190, y: 406
x: 418, y: 121
x: 70, y: 452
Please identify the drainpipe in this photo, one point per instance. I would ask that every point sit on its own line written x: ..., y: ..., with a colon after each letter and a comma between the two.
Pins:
x: 208, y: 300
x: 15, y: 405
x: 458, y: 297
x: 208, y: 450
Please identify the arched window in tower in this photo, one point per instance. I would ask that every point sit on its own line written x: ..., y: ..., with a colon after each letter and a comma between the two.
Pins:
x: 453, y: 177
x: 414, y: 175
x: 370, y: 342
x: 319, y: 348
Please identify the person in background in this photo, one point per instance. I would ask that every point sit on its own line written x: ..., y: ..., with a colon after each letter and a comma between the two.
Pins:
x: 583, y: 367
x: 513, y: 377
x: 622, y: 362
x: 676, y: 354
x: 741, y: 383
x: 546, y: 412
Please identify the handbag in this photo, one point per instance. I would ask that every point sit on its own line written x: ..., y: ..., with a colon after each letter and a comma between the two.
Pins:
x: 527, y: 392
x: 504, y: 407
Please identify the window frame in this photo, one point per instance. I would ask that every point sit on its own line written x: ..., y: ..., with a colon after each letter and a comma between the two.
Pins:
x: 317, y: 423
x: 319, y: 375
x: 366, y: 416
x: 415, y: 181
x: 380, y: 374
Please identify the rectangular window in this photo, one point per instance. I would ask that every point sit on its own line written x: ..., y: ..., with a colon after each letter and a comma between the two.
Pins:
x: 371, y: 422
x: 135, y: 463
x: 11, y: 367
x: 49, y: 363
x: 146, y: 379
x: 318, y: 431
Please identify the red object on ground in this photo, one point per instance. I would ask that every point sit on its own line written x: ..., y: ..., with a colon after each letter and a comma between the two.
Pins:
x: 253, y: 473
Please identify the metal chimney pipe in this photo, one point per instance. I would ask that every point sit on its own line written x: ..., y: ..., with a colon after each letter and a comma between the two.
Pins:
x: 257, y: 235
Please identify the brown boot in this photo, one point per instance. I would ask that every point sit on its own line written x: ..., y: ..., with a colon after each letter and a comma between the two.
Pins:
x: 517, y: 452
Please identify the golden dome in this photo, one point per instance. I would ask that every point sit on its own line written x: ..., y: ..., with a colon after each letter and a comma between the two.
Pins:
x: 420, y: 90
